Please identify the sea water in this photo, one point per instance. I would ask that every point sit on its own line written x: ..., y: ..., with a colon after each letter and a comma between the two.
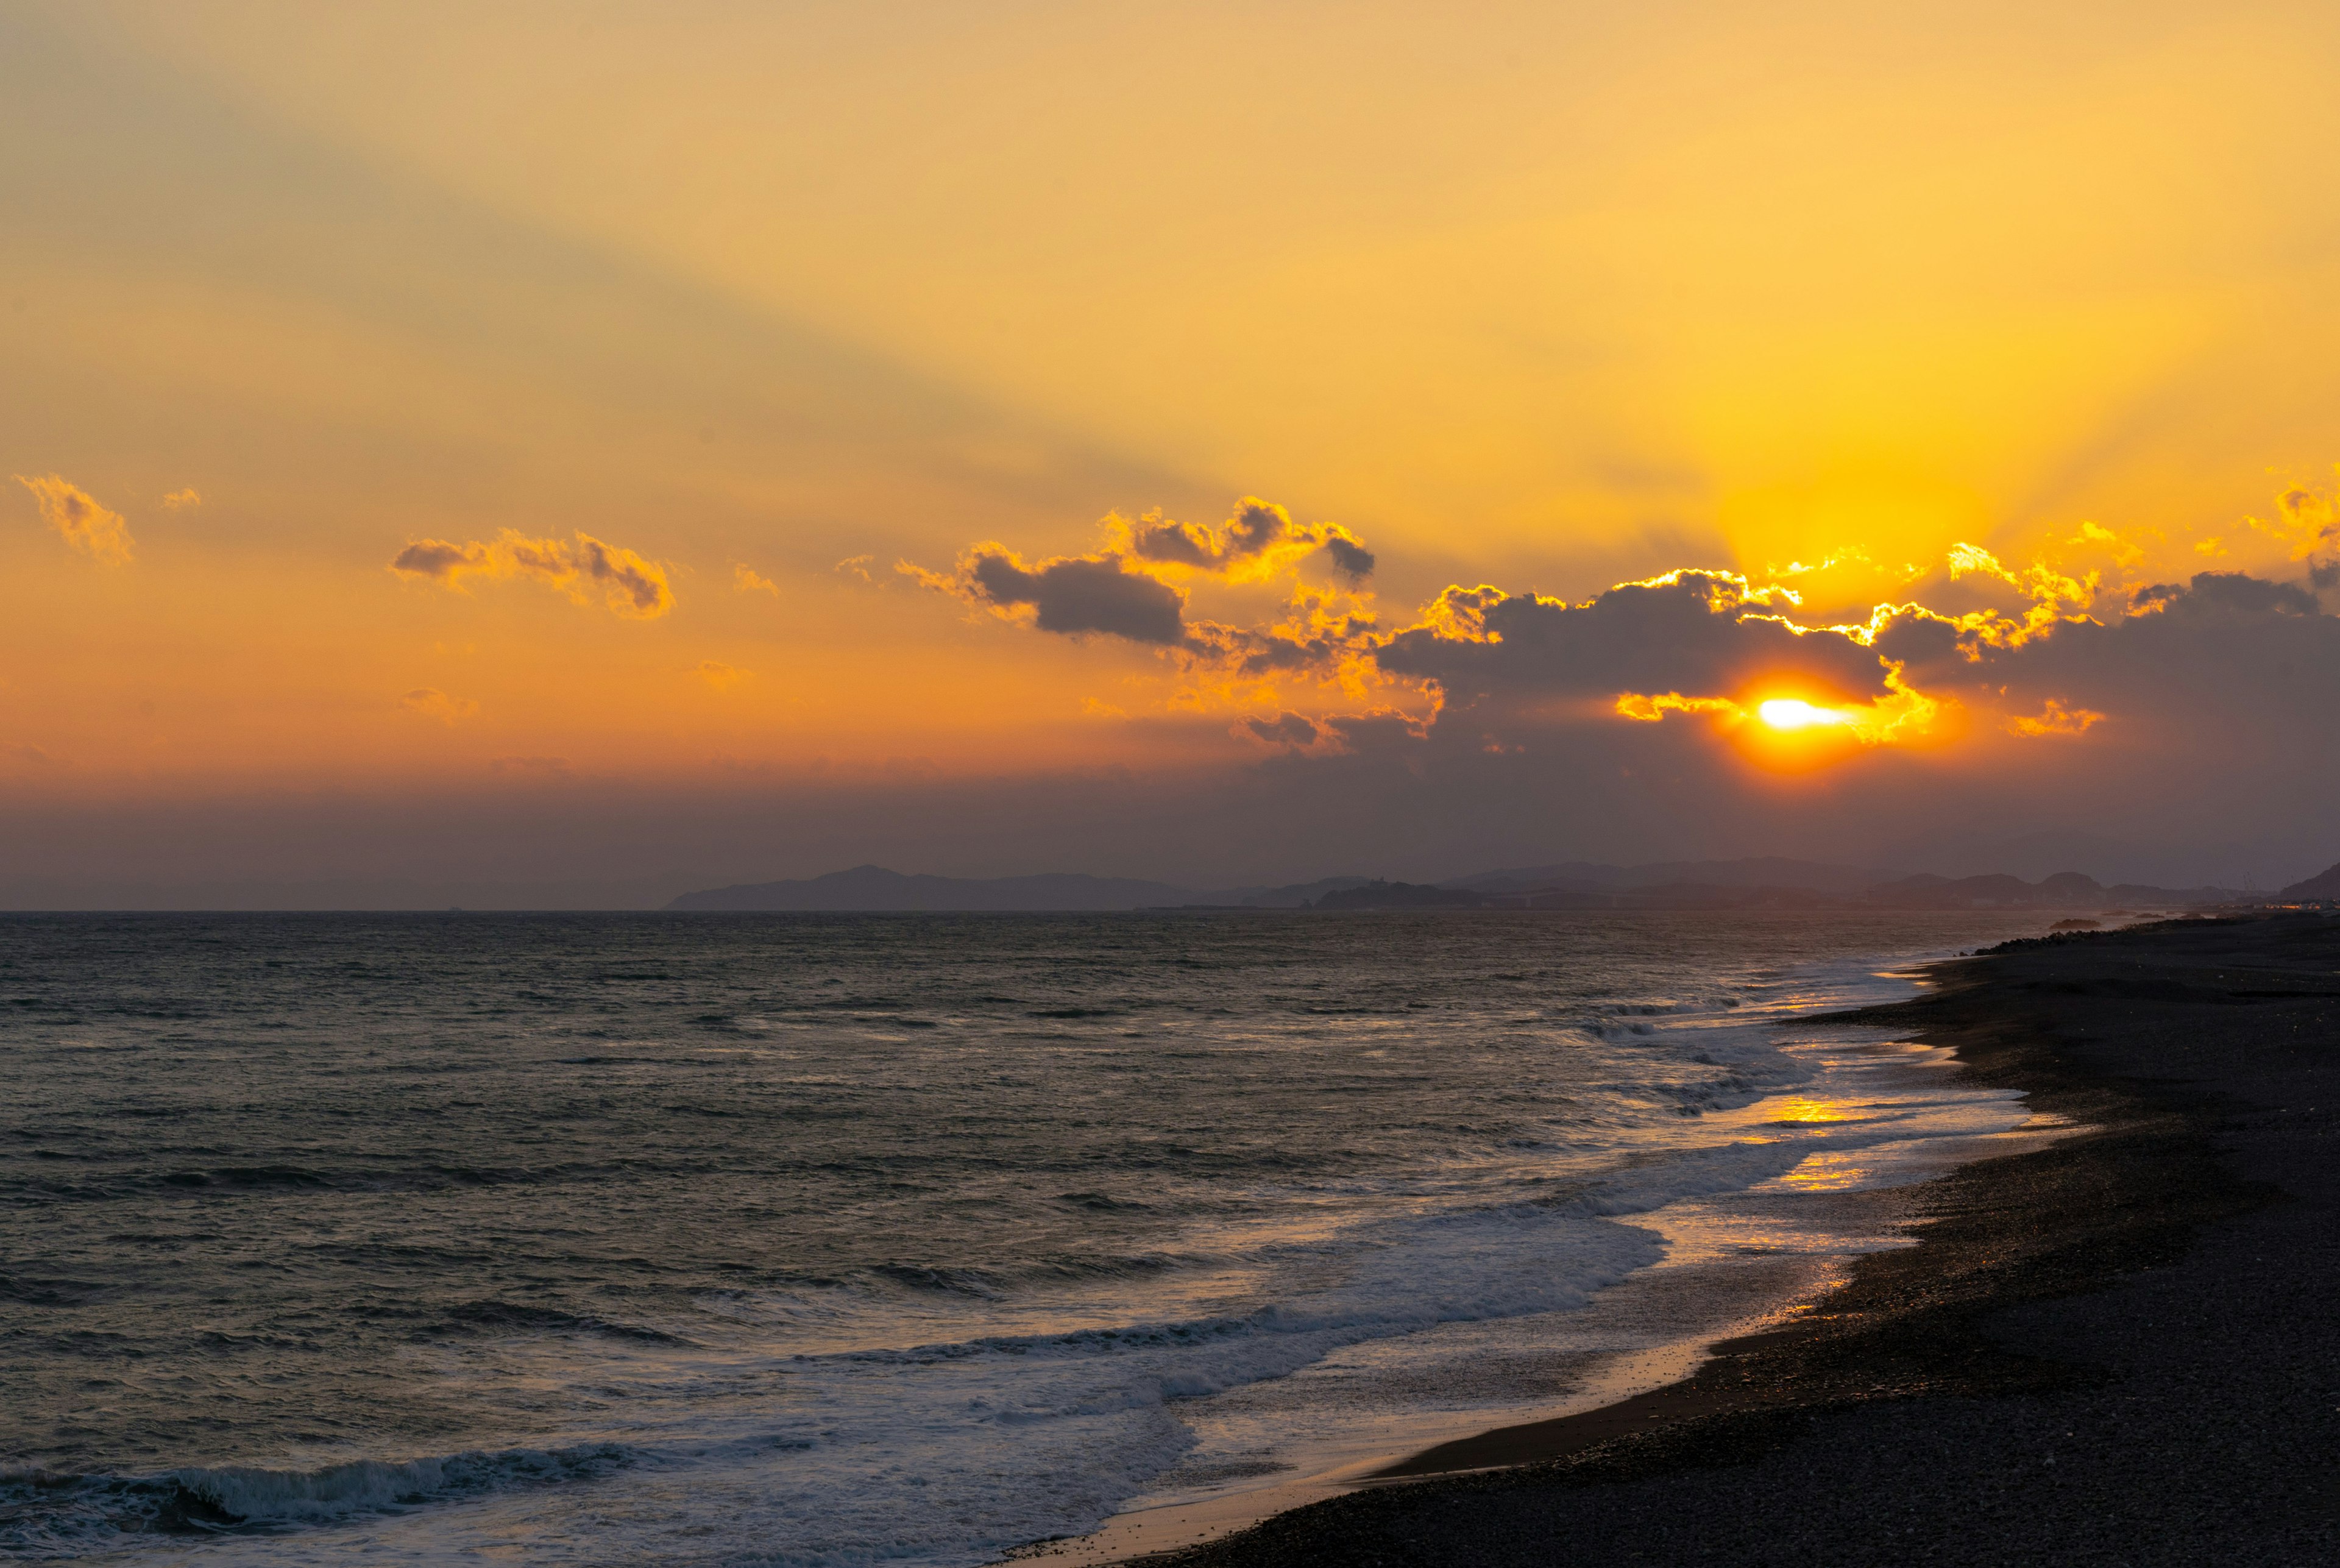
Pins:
x: 855, y: 1239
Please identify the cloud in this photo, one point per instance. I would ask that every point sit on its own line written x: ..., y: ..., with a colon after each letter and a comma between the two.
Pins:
x: 2054, y: 718
x: 1130, y: 587
x: 1350, y: 559
x: 858, y: 566
x: 1650, y: 709
x: 1258, y: 541
x: 637, y: 586
x: 438, y: 559
x: 1073, y: 595
x: 1076, y: 596
x: 630, y: 584
x: 2222, y: 595
x: 79, y: 520
x: 718, y: 675
x: 185, y: 500
x: 1688, y: 633
x: 1284, y: 730
x: 1975, y: 690
x: 433, y: 703
x: 747, y: 580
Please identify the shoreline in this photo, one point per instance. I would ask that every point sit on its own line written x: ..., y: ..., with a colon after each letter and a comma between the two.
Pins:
x: 2152, y: 1040
x: 1627, y: 1387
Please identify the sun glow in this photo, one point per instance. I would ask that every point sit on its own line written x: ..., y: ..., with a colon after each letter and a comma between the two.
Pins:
x: 1789, y: 731
x: 1794, y: 713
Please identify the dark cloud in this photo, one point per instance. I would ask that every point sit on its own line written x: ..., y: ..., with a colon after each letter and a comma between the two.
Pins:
x: 439, y: 558
x: 1285, y: 729
x: 1182, y: 543
x: 2223, y: 595
x: 1350, y: 559
x: 1080, y: 594
x: 1257, y: 532
x: 1689, y: 632
x: 1127, y: 588
x: 636, y: 586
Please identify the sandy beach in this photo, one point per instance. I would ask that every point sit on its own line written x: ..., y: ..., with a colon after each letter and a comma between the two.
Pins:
x: 2120, y: 1349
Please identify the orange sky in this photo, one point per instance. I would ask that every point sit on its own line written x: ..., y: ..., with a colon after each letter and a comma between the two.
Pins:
x: 727, y: 311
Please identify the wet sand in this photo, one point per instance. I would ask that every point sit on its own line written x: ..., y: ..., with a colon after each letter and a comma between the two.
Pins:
x: 2122, y: 1348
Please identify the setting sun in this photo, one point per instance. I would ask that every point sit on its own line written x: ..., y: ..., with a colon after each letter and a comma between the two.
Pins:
x: 1793, y: 713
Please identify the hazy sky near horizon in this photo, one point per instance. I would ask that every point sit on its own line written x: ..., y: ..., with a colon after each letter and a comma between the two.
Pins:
x: 603, y: 446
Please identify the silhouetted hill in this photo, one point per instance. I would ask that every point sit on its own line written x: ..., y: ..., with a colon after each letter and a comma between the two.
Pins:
x: 875, y: 888
x: 1755, y: 871
x: 1292, y: 896
x: 1758, y: 883
x: 2325, y: 884
x: 2064, y: 890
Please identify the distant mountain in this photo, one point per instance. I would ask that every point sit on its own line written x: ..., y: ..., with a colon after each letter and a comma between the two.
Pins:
x: 875, y: 888
x: 1767, y: 882
x: 1755, y: 871
x: 1293, y: 896
x: 2064, y: 890
x: 2325, y: 884
x: 1573, y: 873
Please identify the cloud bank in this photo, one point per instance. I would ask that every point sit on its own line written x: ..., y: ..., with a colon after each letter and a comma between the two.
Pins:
x: 1742, y: 709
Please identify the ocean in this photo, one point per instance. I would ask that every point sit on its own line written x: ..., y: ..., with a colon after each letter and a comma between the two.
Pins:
x: 649, y: 1238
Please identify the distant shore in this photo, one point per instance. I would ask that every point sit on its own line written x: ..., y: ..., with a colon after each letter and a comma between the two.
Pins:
x: 2121, y: 1348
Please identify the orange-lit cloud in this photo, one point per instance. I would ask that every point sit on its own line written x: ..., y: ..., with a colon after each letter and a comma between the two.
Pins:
x: 1650, y: 709
x: 747, y: 580
x: 1257, y: 542
x: 185, y: 500
x: 632, y: 584
x: 79, y: 520
x: 1901, y: 717
x: 433, y: 703
x: 2054, y: 718
x: 1129, y: 587
x: 717, y: 674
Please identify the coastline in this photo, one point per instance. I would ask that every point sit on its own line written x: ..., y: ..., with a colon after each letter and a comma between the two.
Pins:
x: 2041, y: 1373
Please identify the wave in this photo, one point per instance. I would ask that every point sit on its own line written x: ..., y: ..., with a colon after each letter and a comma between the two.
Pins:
x: 514, y: 1316
x: 49, y: 1514
x: 1509, y: 1261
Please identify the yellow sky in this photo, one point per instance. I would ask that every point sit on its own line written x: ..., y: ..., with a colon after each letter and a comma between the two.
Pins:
x: 1544, y: 296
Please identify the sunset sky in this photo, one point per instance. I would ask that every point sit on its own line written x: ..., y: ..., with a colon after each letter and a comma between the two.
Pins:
x: 571, y: 453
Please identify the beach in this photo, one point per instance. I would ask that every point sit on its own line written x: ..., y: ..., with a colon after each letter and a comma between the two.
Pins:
x: 2119, y: 1349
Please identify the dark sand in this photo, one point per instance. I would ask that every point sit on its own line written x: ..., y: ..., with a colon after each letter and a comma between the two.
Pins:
x: 2121, y: 1349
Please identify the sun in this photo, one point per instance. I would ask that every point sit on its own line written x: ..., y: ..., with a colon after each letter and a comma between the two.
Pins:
x: 1794, y: 713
